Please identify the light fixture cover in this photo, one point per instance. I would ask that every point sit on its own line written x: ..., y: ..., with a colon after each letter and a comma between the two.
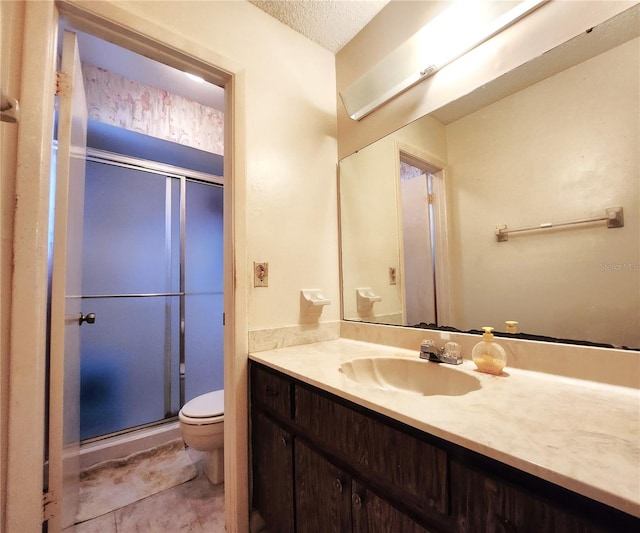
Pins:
x: 459, y: 29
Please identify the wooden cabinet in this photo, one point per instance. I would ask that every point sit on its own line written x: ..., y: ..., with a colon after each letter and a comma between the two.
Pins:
x: 372, y: 514
x: 273, y: 473
x: 484, y: 503
x: 272, y: 449
x: 329, y: 501
x: 396, y: 461
x: 323, y: 493
x: 306, y: 448
x: 323, y: 464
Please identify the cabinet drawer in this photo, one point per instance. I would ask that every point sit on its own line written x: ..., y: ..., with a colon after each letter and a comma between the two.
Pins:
x: 270, y: 391
x: 481, y: 503
x: 402, y: 464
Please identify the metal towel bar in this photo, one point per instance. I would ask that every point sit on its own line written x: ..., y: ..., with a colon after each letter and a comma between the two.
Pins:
x: 613, y: 215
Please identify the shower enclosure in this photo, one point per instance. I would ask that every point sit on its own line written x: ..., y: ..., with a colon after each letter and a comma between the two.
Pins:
x: 153, y: 276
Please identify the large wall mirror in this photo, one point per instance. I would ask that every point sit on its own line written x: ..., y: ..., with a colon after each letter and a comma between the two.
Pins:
x: 420, y: 208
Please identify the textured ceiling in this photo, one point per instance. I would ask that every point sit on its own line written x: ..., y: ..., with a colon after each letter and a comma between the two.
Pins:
x: 330, y: 23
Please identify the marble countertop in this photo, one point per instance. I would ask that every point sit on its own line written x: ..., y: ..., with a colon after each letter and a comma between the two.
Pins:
x: 581, y: 435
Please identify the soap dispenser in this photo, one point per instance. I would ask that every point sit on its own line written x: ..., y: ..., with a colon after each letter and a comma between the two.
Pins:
x: 511, y: 326
x: 488, y: 355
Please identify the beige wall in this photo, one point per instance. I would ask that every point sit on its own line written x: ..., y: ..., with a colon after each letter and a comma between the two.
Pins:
x: 11, y: 20
x: 563, y: 149
x: 291, y: 150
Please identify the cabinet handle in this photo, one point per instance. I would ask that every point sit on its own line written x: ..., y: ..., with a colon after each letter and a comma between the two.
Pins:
x: 507, y: 524
x: 338, y: 485
x: 356, y: 500
x: 283, y: 442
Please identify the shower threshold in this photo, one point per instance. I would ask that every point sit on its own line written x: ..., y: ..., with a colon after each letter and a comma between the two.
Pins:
x: 119, y: 445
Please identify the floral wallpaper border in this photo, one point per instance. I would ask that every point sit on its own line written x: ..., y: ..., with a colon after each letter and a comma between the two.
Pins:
x: 119, y: 101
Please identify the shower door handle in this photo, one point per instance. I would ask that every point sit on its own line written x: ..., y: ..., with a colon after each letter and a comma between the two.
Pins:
x: 88, y: 318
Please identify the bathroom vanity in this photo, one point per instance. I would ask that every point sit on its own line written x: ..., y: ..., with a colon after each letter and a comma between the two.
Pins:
x: 334, y: 451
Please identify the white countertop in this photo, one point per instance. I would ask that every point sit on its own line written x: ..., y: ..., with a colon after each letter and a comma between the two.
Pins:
x: 581, y: 435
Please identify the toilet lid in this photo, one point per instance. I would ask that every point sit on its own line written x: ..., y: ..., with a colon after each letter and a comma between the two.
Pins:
x: 205, y: 406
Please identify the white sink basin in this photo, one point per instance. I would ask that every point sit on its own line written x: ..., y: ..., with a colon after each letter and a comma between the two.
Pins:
x: 409, y: 375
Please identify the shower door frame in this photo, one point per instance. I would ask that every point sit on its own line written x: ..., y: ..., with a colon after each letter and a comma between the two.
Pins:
x: 169, y: 172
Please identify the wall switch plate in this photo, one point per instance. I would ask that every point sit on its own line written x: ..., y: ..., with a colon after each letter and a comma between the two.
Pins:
x: 392, y: 276
x: 260, y: 274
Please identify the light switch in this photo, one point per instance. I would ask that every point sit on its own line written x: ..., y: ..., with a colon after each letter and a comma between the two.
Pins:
x: 260, y: 274
x: 392, y: 276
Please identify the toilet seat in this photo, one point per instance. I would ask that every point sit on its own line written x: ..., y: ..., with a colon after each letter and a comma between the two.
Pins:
x: 204, y: 409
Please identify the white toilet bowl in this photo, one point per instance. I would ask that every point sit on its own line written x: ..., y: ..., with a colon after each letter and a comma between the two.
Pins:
x: 202, y: 426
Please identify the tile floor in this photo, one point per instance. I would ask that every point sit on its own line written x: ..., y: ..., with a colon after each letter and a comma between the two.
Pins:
x: 194, y: 507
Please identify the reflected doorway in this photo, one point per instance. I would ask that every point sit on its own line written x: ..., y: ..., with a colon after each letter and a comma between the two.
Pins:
x: 420, y: 205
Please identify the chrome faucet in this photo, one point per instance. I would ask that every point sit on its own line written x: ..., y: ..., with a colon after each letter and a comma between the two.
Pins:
x: 449, y: 353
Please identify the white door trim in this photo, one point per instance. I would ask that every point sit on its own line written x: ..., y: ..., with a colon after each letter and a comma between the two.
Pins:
x: 27, y: 356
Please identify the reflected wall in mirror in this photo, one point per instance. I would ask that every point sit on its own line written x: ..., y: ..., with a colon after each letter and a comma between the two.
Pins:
x: 563, y: 148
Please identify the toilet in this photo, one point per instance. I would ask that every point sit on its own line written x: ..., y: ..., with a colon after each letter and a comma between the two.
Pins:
x: 202, y: 426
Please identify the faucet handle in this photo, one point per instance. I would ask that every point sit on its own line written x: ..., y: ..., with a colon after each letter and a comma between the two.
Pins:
x: 428, y: 344
x: 428, y: 349
x: 453, y: 350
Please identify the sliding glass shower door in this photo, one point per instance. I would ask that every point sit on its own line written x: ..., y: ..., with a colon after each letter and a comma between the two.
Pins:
x: 204, y: 275
x: 150, y: 275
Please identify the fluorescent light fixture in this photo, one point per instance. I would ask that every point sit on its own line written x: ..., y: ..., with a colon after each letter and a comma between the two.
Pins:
x: 453, y: 33
x: 193, y: 77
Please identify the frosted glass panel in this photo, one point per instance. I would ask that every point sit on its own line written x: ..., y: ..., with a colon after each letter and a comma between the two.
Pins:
x: 125, y: 232
x: 204, y: 346
x: 203, y: 238
x: 124, y: 360
x: 204, y: 285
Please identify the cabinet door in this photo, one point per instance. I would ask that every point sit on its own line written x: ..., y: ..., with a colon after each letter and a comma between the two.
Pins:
x: 323, y: 494
x: 272, y: 451
x: 415, y: 470
x: 481, y: 503
x: 372, y: 514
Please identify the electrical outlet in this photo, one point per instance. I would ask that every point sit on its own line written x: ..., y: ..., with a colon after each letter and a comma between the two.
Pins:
x: 260, y: 274
x: 392, y: 276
